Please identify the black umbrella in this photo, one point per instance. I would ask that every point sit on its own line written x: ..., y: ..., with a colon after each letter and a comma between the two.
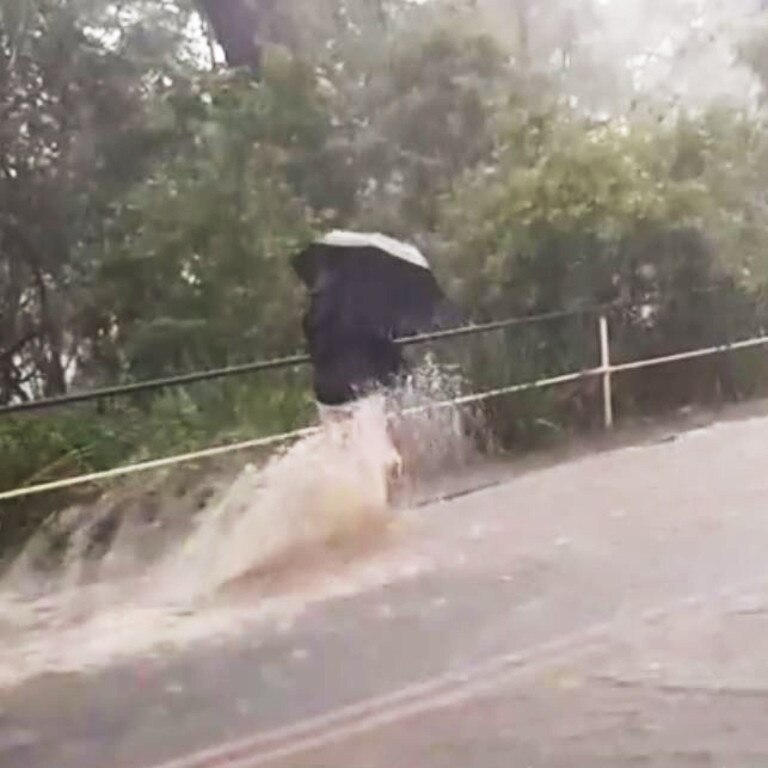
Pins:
x: 374, y: 283
x: 366, y: 290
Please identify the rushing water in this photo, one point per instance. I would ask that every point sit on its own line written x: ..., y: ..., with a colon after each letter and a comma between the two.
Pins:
x: 312, y: 522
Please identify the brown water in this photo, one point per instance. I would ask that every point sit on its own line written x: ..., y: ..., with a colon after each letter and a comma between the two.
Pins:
x: 313, y: 522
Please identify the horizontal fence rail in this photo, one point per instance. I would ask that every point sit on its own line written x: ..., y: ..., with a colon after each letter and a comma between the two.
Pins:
x: 281, y: 363
x: 299, y: 359
x: 139, y: 387
x: 271, y: 440
x: 606, y: 370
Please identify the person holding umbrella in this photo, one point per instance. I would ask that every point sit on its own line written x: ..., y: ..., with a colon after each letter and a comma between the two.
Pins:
x: 366, y: 291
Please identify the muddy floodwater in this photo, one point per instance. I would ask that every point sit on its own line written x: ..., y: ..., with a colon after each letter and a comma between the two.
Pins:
x: 609, y: 610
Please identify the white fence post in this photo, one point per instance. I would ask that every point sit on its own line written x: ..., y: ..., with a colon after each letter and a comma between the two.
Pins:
x: 605, y: 365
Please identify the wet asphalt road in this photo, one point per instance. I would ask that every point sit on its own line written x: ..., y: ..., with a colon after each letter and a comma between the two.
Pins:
x: 608, y: 611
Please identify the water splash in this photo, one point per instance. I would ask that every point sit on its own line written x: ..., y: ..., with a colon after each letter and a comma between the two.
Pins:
x: 327, y: 489
x: 126, y: 583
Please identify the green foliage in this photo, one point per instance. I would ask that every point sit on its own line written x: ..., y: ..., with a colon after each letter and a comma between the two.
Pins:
x: 666, y: 219
x: 92, y: 438
x: 196, y: 272
x: 560, y: 220
x: 432, y: 117
x: 150, y: 200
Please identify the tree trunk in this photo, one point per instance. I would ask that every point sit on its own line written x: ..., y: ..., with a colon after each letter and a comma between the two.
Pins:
x: 241, y: 28
x: 523, y: 32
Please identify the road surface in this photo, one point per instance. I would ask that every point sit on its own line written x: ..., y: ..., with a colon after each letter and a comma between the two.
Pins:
x: 607, y: 611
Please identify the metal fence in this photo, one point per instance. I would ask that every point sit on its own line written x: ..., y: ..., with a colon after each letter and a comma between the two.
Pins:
x: 282, y: 363
x: 606, y: 370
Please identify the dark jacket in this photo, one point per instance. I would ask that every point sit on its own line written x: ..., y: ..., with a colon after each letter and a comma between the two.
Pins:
x: 349, y: 360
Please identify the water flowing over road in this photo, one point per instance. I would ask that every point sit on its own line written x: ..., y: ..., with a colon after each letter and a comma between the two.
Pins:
x: 606, y: 611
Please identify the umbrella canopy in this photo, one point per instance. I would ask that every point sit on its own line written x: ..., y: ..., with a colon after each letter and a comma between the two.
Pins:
x: 366, y: 290
x: 374, y: 283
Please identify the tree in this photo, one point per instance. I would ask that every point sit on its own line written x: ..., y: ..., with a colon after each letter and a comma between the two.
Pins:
x: 70, y: 137
x: 196, y: 273
x: 429, y: 118
x: 553, y: 225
